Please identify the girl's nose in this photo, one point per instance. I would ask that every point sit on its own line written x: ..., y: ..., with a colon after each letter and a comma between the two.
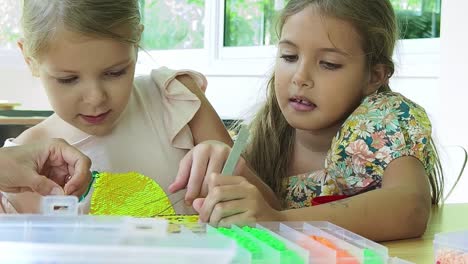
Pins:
x: 95, y: 95
x: 303, y: 77
x: 303, y: 83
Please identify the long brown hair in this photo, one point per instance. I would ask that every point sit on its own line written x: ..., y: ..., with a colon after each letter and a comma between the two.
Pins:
x: 272, y: 138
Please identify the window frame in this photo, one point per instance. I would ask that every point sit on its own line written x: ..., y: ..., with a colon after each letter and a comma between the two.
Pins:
x: 421, y: 56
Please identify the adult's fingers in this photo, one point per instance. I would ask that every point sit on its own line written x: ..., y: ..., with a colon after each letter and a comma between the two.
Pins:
x: 16, y: 189
x: 78, y: 166
x: 43, y: 185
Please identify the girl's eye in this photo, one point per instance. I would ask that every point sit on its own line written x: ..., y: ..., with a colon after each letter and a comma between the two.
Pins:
x: 289, y: 58
x: 330, y: 66
x: 69, y: 80
x: 116, y: 73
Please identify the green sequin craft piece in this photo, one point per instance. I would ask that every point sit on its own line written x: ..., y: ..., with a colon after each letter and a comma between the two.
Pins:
x: 128, y: 194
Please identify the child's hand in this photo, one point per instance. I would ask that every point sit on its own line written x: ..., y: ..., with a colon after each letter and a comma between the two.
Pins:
x: 233, y: 200
x: 205, y: 158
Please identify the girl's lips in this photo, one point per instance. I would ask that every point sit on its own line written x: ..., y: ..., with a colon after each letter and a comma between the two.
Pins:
x: 301, y: 104
x: 94, y: 120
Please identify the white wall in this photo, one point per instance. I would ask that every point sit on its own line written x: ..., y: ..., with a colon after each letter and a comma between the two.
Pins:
x: 17, y: 84
x: 453, y: 88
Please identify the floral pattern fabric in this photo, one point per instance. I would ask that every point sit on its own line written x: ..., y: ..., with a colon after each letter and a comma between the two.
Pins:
x: 384, y: 127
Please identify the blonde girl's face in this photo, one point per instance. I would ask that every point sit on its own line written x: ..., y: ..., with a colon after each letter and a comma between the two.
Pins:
x: 320, y: 73
x: 88, y: 80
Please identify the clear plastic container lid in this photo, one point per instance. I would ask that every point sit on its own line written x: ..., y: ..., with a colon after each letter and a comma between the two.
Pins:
x: 451, y: 247
x: 62, y: 236
x: 328, y: 243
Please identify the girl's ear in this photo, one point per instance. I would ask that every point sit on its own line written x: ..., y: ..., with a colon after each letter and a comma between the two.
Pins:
x: 141, y: 28
x: 378, y: 77
x: 32, y: 64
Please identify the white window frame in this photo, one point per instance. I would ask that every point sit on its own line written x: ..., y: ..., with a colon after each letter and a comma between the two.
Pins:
x: 421, y: 56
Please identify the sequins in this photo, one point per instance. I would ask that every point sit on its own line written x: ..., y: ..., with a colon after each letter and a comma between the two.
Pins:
x: 129, y: 194
x: 188, y: 221
x: 180, y: 219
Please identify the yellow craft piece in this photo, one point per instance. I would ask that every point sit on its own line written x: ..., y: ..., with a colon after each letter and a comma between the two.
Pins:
x: 129, y: 194
x: 180, y: 219
x: 188, y: 221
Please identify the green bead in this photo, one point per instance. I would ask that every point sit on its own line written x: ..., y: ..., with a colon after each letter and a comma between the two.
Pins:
x: 290, y: 257
x: 372, y: 257
x: 244, y: 242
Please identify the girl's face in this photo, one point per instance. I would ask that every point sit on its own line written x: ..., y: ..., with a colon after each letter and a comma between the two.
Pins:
x: 88, y: 80
x: 320, y: 73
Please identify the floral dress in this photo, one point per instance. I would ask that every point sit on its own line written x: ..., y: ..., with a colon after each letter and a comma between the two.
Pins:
x: 384, y: 127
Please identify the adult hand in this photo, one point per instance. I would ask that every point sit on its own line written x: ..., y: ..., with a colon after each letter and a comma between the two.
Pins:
x: 52, y: 167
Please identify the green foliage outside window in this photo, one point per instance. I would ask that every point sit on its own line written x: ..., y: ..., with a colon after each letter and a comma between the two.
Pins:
x: 253, y: 22
x: 179, y: 24
x: 9, y: 21
x: 173, y: 24
x: 169, y: 24
x: 250, y: 23
x: 418, y: 18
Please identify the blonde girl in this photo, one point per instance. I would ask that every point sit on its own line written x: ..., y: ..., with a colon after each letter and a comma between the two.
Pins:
x: 84, y: 52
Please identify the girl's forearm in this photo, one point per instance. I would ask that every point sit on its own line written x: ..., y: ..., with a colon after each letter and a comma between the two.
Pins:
x: 383, y: 214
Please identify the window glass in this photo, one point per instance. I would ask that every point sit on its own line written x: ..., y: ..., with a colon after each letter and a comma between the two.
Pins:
x: 169, y: 24
x: 253, y: 22
x: 418, y: 18
x: 173, y: 24
x: 9, y: 23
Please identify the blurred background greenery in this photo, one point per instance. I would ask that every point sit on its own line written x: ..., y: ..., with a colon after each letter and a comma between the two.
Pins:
x: 418, y: 18
x: 179, y: 24
x: 173, y: 24
x: 253, y: 22
x: 9, y: 22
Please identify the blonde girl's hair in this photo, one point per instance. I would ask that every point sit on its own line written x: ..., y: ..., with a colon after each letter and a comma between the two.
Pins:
x: 42, y: 19
x: 272, y: 138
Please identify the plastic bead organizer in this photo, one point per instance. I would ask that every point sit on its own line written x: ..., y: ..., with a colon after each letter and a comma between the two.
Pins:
x: 60, y: 235
x: 451, y: 248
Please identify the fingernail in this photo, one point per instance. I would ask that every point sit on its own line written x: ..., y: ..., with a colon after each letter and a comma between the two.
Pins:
x: 57, y: 191
x: 69, y: 189
x: 170, y: 189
